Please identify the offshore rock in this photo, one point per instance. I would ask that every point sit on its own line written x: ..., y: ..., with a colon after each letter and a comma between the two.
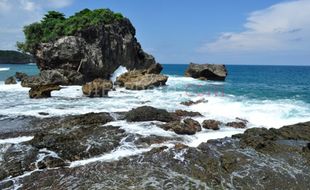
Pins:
x: 42, y: 91
x: 206, y: 72
x: 140, y: 80
x: 98, y: 87
x: 96, y: 52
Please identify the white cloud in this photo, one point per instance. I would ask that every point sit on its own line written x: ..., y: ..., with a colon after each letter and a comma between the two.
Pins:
x: 281, y: 27
x: 14, y: 14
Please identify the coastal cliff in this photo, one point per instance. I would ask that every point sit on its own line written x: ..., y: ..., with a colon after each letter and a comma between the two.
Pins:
x: 15, y: 57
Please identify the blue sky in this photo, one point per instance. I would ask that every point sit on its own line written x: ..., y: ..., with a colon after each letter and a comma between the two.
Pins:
x: 183, y: 31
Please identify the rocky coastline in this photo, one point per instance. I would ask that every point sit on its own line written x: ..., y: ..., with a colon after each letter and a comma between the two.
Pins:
x: 65, y: 146
x: 98, y: 151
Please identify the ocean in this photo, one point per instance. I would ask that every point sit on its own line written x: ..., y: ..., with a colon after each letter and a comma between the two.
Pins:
x: 266, y: 96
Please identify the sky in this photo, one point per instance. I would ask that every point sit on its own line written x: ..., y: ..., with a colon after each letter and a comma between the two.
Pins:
x: 257, y: 32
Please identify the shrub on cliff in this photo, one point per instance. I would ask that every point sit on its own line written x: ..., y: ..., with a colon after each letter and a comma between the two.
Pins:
x: 55, y: 25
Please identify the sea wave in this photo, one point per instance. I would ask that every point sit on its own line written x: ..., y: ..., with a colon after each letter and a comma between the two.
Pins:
x: 4, y: 69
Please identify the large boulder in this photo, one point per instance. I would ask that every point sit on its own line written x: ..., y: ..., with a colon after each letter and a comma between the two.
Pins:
x: 206, y: 72
x: 140, y: 80
x: 10, y: 80
x: 98, y: 87
x: 96, y: 52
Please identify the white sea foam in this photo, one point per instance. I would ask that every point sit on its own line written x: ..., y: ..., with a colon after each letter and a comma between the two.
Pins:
x: 70, y: 100
x: 121, y: 152
x: 16, y: 140
x: 120, y: 70
x: 4, y: 69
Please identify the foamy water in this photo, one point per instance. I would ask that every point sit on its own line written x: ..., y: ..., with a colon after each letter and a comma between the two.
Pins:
x: 4, y: 69
x: 70, y: 100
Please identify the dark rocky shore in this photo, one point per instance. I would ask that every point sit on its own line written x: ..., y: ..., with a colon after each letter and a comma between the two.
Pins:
x: 258, y: 159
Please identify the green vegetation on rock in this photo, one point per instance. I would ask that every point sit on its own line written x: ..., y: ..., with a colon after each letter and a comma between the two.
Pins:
x: 55, y: 25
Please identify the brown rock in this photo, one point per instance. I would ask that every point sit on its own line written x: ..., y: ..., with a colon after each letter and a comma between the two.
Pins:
x: 237, y: 125
x: 10, y: 80
x: 98, y: 87
x: 211, y: 124
x: 140, y: 80
x: 42, y: 91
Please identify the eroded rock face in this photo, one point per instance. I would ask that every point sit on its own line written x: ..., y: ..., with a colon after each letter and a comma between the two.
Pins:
x: 10, y: 80
x: 206, y: 72
x: 140, y: 80
x: 98, y: 87
x: 96, y: 52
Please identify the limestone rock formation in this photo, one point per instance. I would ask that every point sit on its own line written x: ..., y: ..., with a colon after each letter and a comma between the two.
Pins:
x: 96, y: 52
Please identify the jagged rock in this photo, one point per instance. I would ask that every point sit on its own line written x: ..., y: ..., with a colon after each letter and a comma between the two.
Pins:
x: 192, y: 124
x: 211, y: 124
x: 10, y: 80
x: 20, y: 76
x: 148, y: 113
x: 206, y: 71
x: 237, y: 125
x: 217, y: 164
x: 190, y: 102
x: 55, y: 77
x: 16, y: 159
x: 98, y: 87
x: 96, y: 51
x: 42, y: 91
x: 140, y: 80
x: 187, y: 127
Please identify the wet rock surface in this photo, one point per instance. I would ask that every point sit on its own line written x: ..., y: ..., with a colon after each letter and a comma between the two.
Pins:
x: 148, y: 113
x: 258, y: 159
x: 206, y: 71
x: 190, y: 102
x: 211, y: 124
x: 217, y: 164
x: 187, y: 127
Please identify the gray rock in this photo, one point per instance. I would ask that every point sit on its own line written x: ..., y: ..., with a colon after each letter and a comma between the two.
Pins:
x: 96, y: 52
x: 206, y: 71
x: 148, y: 113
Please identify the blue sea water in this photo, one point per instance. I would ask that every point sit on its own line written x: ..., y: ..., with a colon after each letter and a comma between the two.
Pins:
x: 250, y: 81
x: 256, y: 81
